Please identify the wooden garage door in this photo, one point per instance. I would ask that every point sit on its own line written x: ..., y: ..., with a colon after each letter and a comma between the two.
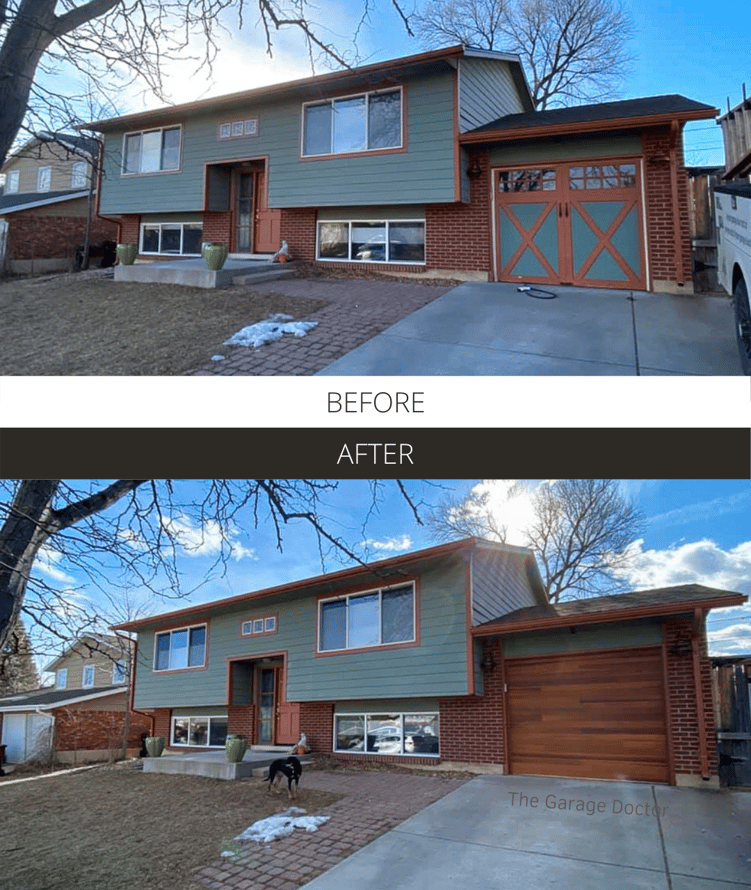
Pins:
x: 591, y: 715
x: 572, y: 223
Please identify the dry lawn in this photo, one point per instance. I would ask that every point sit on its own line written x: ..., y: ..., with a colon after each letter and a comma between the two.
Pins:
x: 122, y: 828
x: 68, y: 325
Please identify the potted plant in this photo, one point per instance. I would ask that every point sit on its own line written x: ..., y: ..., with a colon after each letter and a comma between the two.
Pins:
x: 215, y: 256
x: 235, y: 748
x: 154, y: 745
x: 127, y: 253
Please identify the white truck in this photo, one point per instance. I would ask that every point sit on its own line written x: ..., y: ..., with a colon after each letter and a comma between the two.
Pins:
x: 733, y: 215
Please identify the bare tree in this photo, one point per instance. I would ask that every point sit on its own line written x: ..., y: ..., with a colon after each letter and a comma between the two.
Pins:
x: 573, y: 50
x: 137, y: 529
x: 101, y: 38
x: 580, y: 532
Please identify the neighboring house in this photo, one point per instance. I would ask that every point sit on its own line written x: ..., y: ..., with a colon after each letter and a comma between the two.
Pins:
x: 736, y: 137
x: 44, y: 207
x: 433, y: 164
x: 82, y: 717
x: 450, y: 654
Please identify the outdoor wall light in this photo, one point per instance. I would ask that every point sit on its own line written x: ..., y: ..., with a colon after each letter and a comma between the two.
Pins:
x: 681, y: 647
x: 474, y: 170
x: 488, y: 662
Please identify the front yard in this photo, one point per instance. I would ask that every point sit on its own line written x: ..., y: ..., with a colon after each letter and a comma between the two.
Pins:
x: 118, y: 828
x: 68, y: 325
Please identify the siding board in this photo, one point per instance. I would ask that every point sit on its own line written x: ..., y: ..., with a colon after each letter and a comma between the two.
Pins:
x: 486, y: 92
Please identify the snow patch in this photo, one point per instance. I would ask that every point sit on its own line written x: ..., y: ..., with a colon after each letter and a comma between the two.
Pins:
x: 269, y: 330
x: 281, y: 825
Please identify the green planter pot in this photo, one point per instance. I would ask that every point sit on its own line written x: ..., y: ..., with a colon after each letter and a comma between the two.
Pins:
x: 235, y: 748
x: 154, y: 745
x: 215, y: 257
x: 127, y: 253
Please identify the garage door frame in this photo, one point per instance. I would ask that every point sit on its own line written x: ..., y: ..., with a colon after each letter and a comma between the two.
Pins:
x: 625, y: 650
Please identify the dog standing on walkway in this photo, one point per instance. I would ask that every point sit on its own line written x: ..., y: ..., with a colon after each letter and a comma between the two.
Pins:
x: 291, y: 768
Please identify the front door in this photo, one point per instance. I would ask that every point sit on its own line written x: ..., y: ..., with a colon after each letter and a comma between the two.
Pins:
x: 570, y: 223
x: 268, y: 684
x: 244, y: 211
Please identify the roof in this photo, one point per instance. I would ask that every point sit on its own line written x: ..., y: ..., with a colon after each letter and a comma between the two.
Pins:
x: 55, y: 698
x: 28, y: 200
x: 625, y: 114
x: 387, y: 568
x: 75, y: 143
x: 619, y: 607
x: 108, y: 643
x: 377, y: 75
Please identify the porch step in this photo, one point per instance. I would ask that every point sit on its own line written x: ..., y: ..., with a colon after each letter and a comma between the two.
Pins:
x: 214, y: 764
x: 266, y: 272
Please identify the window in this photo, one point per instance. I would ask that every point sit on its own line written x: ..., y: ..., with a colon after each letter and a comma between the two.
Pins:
x: 235, y: 129
x: 368, y: 122
x: 88, y: 675
x: 179, y: 649
x: 176, y: 238
x: 208, y: 732
x: 44, y: 179
x: 397, y: 241
x: 604, y: 176
x: 527, y: 181
x: 416, y: 734
x: 78, y: 175
x: 61, y: 679
x: 363, y: 620
x: 152, y: 151
x: 118, y: 673
x: 254, y: 626
x: 11, y: 181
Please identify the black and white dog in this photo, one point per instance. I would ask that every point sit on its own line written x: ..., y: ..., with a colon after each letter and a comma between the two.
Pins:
x: 291, y: 768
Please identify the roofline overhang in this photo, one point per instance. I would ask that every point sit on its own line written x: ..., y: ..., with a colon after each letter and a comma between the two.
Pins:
x: 370, y: 569
x: 15, y: 208
x: 363, y: 73
x: 48, y: 706
x: 630, y: 613
x: 595, y: 126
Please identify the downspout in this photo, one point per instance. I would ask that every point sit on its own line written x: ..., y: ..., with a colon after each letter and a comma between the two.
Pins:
x: 700, y: 719
x: 677, y: 239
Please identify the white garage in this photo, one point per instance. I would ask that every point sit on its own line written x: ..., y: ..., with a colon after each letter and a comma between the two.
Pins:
x: 27, y: 736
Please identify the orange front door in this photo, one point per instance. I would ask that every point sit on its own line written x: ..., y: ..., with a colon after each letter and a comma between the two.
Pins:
x: 268, y: 223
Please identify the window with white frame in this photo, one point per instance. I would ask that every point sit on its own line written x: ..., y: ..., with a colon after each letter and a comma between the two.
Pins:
x: 363, y: 620
x: 388, y: 734
x: 176, y: 650
x: 44, y: 179
x: 78, y: 175
x: 61, y: 678
x: 235, y: 129
x: 152, y: 151
x: 380, y: 241
x: 256, y: 626
x: 365, y: 122
x: 118, y: 673
x: 88, y: 675
x: 205, y: 732
x: 12, y: 180
x: 182, y: 239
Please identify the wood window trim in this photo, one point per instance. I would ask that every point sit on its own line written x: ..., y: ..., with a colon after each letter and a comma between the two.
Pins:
x: 123, y: 156
x: 171, y: 630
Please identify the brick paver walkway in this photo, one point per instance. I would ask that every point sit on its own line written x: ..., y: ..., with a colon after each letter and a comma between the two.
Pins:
x: 359, y: 309
x: 373, y: 803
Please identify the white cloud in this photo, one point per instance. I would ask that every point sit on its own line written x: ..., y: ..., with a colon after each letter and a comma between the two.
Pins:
x: 207, y: 539
x: 48, y: 563
x: 390, y: 545
x: 510, y: 503
x: 732, y: 640
x: 723, y: 506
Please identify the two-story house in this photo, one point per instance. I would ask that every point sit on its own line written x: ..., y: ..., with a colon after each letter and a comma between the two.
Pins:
x: 84, y: 716
x: 46, y: 203
x: 433, y: 164
x: 446, y: 655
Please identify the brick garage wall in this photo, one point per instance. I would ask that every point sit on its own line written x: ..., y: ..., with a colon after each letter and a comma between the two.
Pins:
x: 659, y: 208
x: 97, y: 730
x: 684, y: 725
x: 51, y: 237
x: 472, y: 726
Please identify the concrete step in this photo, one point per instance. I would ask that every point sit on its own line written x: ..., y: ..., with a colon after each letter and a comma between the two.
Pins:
x: 268, y: 272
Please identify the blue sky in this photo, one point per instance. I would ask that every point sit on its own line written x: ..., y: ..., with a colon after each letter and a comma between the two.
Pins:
x: 694, y: 531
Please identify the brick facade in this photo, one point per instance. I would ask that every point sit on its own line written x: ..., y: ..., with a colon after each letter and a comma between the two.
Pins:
x: 85, y: 730
x: 241, y: 720
x: 35, y: 237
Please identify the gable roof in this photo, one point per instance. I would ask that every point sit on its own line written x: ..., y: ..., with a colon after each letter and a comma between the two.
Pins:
x: 619, y: 607
x: 625, y: 114
x: 378, y: 74
x: 110, y: 644
x: 84, y: 146
x: 13, y: 203
x: 55, y: 698
x: 375, y: 572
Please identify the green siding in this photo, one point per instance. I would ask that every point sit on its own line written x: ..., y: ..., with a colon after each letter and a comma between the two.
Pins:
x: 422, y: 174
x: 437, y: 667
x: 486, y: 92
x: 554, y: 642
x: 566, y: 149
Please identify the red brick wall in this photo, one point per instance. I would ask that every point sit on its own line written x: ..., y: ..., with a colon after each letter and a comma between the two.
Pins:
x: 659, y: 207
x: 79, y: 730
x: 130, y: 229
x: 162, y: 723
x: 217, y: 227
x: 472, y: 726
x: 298, y: 229
x: 317, y: 722
x: 51, y: 237
x: 241, y: 721
x: 682, y: 702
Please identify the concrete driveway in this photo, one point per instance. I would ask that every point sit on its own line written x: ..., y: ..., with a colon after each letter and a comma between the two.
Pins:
x: 493, y: 329
x: 479, y: 836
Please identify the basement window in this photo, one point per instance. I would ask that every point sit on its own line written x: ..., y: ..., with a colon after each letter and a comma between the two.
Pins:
x: 200, y: 732
x: 388, y: 734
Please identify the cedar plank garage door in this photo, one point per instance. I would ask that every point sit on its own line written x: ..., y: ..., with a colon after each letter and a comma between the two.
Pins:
x: 590, y: 715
